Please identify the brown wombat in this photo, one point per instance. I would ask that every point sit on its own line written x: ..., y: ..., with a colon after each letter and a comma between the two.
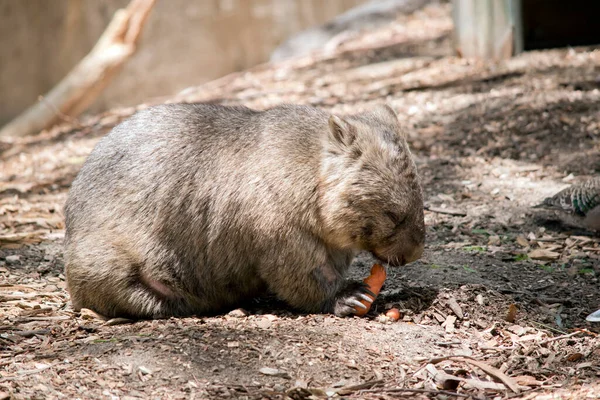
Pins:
x: 188, y: 208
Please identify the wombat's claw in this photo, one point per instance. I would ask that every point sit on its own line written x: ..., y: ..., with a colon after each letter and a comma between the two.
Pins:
x: 366, y: 298
x: 356, y: 303
x: 350, y: 299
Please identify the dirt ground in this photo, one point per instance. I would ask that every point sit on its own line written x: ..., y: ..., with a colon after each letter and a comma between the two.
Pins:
x: 495, y: 309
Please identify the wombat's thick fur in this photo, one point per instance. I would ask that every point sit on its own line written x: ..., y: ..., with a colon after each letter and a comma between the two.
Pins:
x: 188, y: 209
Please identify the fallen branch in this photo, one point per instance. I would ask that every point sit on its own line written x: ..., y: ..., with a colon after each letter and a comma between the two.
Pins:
x: 488, y: 369
x: 554, y: 339
x: 432, y: 392
x: 84, y: 83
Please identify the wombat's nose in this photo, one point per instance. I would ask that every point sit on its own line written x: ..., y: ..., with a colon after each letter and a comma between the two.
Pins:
x: 404, y: 258
x: 416, y: 254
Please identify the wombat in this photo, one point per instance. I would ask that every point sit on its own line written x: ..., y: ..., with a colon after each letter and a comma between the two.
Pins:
x: 188, y: 209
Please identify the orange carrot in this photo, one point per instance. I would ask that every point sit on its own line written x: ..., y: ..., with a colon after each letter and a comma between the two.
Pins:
x: 374, y: 283
x: 393, y: 314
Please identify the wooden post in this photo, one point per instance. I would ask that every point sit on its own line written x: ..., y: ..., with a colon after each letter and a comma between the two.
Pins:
x: 488, y: 29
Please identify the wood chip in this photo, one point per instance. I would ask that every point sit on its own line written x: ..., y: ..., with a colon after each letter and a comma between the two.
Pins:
x: 522, y: 241
x: 274, y: 372
x: 86, y: 313
x: 449, y: 323
x: 455, y: 307
x: 543, y: 255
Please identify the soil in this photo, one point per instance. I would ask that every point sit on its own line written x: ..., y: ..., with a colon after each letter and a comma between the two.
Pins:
x: 495, y: 309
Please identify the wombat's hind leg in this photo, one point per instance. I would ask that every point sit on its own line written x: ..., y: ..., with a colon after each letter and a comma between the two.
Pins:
x: 150, y: 297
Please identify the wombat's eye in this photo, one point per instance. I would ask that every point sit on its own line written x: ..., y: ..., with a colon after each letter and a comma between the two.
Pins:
x: 395, y: 218
x: 367, y: 230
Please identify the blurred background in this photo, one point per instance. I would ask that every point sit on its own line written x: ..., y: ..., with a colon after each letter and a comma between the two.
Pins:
x: 184, y: 43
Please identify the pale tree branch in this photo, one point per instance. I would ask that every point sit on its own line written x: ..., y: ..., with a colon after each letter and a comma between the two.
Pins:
x: 84, y: 83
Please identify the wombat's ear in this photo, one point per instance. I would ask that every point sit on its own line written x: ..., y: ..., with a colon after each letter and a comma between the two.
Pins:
x: 386, y: 113
x: 340, y: 131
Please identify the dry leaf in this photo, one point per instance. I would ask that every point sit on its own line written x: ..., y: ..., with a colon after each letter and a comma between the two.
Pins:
x: 522, y: 241
x: 496, y: 373
x: 527, y: 380
x: 512, y: 313
x: 543, y: 255
x: 455, y: 307
x: 575, y: 357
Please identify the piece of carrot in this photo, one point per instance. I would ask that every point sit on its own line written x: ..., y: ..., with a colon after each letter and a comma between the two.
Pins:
x: 374, y: 283
x: 393, y: 314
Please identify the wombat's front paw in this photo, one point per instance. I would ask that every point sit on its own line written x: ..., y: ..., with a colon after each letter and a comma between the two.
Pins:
x: 348, y: 300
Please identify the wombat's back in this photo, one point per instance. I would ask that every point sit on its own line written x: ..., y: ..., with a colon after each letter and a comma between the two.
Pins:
x: 176, y: 195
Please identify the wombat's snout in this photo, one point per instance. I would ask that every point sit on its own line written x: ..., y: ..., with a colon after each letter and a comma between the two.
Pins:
x: 402, y: 258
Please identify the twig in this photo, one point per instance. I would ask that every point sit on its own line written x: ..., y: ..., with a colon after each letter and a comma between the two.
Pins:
x: 488, y: 369
x: 430, y: 391
x: 24, y: 373
x: 549, y: 327
x: 447, y: 211
x: 28, y: 334
x: 553, y: 339
x: 361, y: 386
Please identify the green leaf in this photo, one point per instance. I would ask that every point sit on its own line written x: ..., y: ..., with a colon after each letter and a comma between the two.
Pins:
x: 521, y: 257
x: 585, y: 271
x: 468, y: 269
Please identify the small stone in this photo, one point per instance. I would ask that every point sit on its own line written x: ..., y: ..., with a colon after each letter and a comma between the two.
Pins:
x: 301, y: 383
x: 270, y: 317
x: 144, y: 370
x: 278, y: 387
x: 479, y: 299
x: 263, y: 323
x: 238, y: 313
x: 14, y: 259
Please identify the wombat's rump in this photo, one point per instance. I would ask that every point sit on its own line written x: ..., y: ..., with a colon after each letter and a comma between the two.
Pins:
x: 187, y: 209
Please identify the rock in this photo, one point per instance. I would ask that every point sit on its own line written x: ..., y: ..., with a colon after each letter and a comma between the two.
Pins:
x: 263, y: 323
x: 238, y: 313
x: 14, y: 259
x: 144, y: 370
